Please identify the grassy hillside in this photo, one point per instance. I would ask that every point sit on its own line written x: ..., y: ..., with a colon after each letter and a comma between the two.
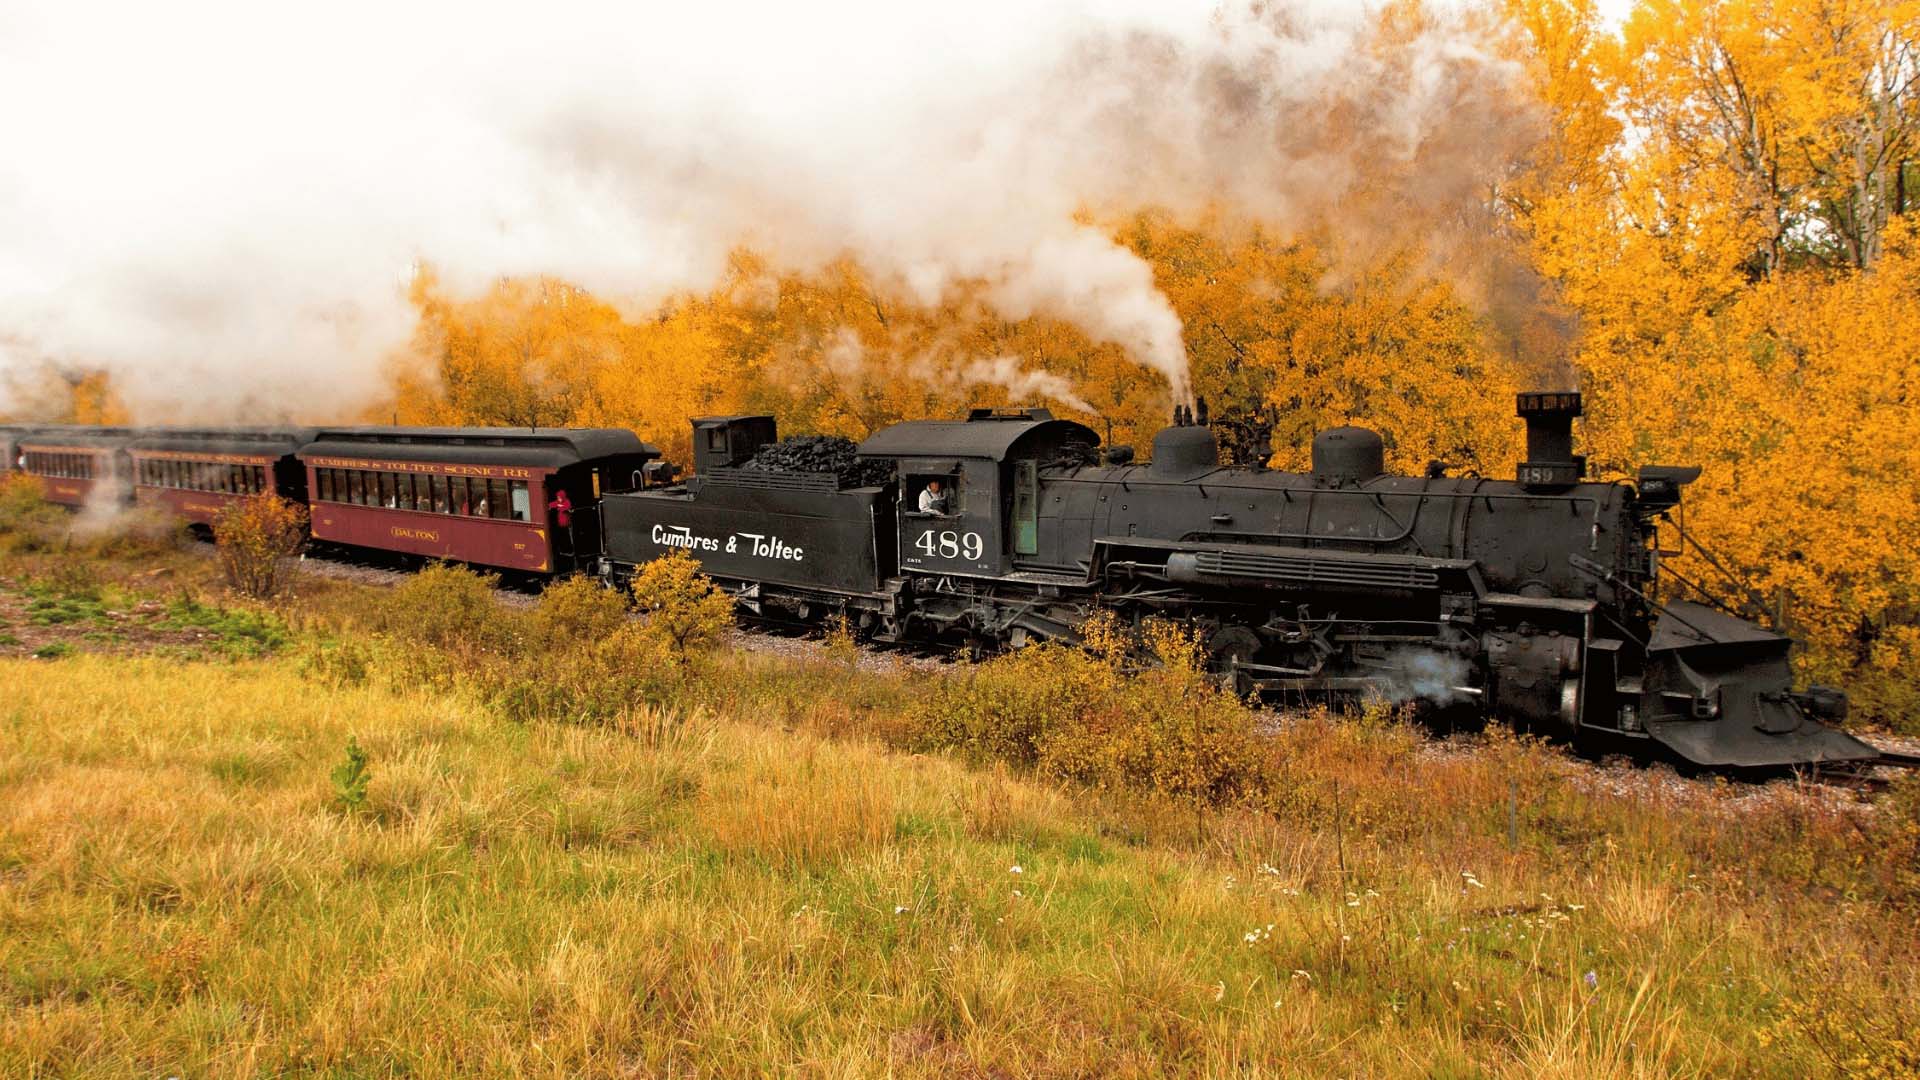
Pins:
x: 183, y: 891
x: 365, y: 831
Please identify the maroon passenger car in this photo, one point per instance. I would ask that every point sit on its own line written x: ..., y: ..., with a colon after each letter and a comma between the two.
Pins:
x: 476, y: 495
x: 196, y: 473
x: 78, y: 464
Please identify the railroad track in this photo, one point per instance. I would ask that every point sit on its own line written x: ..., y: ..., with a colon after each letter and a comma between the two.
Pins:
x: 1875, y: 775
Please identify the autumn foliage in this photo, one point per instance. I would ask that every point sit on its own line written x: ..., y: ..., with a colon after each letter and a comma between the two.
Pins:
x: 255, y: 538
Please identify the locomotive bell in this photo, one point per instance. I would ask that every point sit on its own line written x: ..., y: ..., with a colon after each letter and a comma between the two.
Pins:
x: 1346, y: 454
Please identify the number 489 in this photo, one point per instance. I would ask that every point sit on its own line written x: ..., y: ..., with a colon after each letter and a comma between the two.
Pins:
x: 948, y: 544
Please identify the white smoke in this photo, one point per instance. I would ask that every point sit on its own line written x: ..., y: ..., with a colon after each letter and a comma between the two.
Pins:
x: 1022, y: 384
x: 847, y: 358
x: 223, y: 203
x: 1425, y: 675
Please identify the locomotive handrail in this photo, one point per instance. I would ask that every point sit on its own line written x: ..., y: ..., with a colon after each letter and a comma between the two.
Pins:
x: 1407, y: 529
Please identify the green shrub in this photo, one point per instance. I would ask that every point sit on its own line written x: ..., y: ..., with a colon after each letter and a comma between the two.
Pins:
x: 57, y: 609
x: 1072, y: 714
x: 337, y: 663
x: 584, y: 661
x: 453, y: 608
x: 576, y: 611
x: 28, y: 522
x: 69, y: 577
x: 237, y: 632
x: 590, y: 682
x: 688, y: 616
x: 351, y: 777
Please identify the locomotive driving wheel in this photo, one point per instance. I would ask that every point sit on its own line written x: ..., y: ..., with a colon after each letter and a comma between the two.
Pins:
x: 1228, y: 648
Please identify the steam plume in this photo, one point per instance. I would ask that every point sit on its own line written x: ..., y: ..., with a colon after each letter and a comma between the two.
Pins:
x: 224, y: 205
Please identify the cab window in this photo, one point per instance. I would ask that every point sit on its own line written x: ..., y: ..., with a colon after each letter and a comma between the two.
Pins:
x: 933, y: 494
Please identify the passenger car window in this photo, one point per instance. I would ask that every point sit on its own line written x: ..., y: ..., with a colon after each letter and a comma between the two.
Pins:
x: 520, y: 504
x: 497, y: 503
x: 439, y: 494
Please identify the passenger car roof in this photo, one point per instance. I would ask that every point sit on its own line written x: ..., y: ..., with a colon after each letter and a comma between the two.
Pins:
x: 550, y: 447
x: 230, y: 440
x: 76, y: 436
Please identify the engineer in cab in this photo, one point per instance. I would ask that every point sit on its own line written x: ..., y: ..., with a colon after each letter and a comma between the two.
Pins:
x: 933, y: 498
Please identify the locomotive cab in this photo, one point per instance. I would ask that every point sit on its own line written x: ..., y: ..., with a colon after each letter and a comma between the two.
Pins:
x: 989, y: 464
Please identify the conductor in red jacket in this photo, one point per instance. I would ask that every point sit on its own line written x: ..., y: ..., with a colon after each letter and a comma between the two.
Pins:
x: 562, y: 508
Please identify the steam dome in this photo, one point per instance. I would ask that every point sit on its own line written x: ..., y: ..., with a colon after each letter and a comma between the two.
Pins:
x: 1348, y: 454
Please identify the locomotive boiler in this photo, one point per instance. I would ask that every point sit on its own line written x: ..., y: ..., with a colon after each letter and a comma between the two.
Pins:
x: 1534, y: 599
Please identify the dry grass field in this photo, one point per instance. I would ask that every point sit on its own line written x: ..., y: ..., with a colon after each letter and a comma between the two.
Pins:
x: 792, y: 866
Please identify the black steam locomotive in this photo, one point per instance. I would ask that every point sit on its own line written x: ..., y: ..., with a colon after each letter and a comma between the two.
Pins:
x: 1532, y: 599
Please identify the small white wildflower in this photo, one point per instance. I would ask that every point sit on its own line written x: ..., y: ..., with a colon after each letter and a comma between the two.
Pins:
x: 1219, y: 990
x: 899, y: 909
x: 1299, y: 974
x: 1018, y: 893
x: 1268, y: 869
x: 1014, y: 870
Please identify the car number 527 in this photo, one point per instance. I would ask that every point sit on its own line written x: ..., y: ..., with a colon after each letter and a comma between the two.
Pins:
x: 947, y: 544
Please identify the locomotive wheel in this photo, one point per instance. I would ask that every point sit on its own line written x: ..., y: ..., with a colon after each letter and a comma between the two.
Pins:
x: 1570, y: 707
x: 1230, y: 646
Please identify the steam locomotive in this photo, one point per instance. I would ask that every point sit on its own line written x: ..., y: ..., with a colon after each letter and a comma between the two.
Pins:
x: 1532, y: 599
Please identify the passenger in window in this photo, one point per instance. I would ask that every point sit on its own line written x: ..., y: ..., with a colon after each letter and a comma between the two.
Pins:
x: 933, y: 498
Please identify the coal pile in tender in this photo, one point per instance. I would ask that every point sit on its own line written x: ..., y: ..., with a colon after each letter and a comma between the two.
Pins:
x: 821, y: 454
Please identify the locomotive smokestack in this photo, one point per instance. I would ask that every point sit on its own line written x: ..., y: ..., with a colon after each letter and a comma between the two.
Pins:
x: 1203, y: 411
x: 1551, y: 461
